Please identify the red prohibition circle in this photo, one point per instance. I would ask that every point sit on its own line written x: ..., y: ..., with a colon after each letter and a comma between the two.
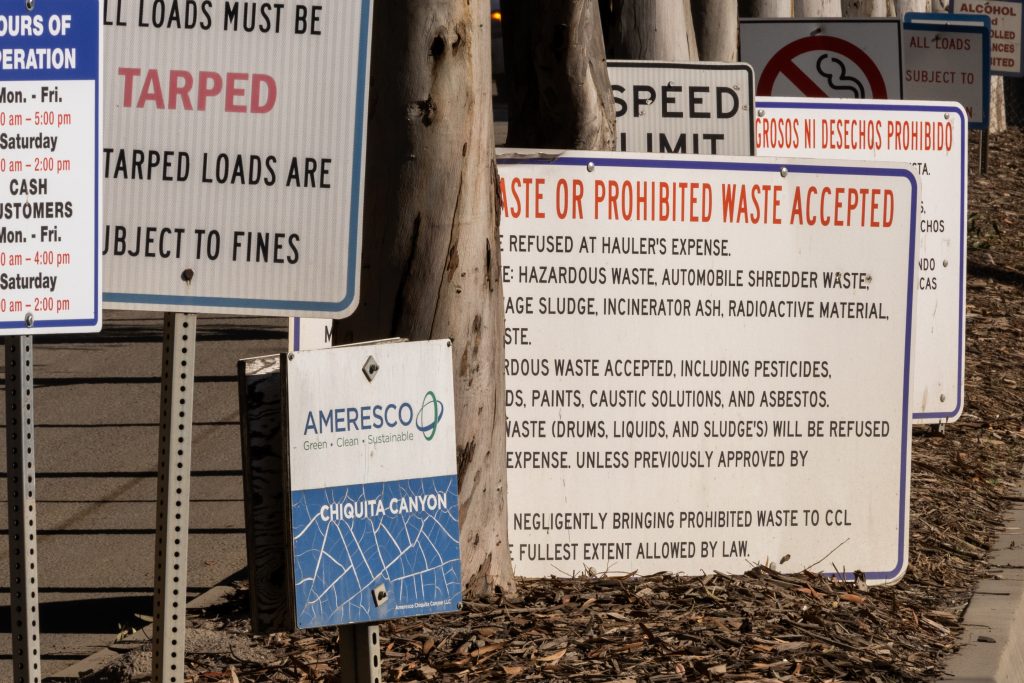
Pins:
x: 782, y: 63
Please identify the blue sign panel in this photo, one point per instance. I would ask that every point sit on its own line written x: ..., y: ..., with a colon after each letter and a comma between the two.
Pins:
x: 49, y: 166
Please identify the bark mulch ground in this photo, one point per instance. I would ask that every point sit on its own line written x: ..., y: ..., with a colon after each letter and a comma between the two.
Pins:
x: 766, y: 625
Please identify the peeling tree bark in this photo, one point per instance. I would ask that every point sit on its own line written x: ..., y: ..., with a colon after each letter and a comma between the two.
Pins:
x: 904, y: 6
x: 766, y: 9
x: 559, y: 93
x: 660, y: 30
x: 867, y: 8
x: 717, y: 27
x: 817, y: 8
x: 430, y: 243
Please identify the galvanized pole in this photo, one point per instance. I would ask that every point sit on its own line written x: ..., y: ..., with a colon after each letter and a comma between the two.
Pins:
x: 171, y: 563
x: 21, y: 512
x: 360, y: 653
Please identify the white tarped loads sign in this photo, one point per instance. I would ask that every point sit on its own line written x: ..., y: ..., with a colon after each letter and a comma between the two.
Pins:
x: 1006, y: 29
x: 707, y: 363
x: 850, y: 58
x: 234, y: 170
x: 932, y: 137
x: 685, y: 108
x: 49, y: 195
x: 946, y: 59
x: 374, y: 495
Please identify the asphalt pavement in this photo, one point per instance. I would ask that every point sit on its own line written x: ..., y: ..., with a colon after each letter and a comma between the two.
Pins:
x: 97, y: 420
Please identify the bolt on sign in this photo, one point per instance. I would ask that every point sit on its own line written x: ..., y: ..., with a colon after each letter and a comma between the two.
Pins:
x: 850, y: 58
x: 684, y: 108
x: 931, y: 137
x: 708, y: 363
x: 234, y: 174
x: 946, y: 58
x: 1006, y: 29
x: 49, y: 193
x: 372, y: 485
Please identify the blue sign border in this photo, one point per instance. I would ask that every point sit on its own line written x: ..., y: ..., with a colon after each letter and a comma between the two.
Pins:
x: 949, y: 25
x: 895, y: 105
x: 800, y: 166
x: 84, y: 36
x: 349, y: 301
x: 1020, y: 43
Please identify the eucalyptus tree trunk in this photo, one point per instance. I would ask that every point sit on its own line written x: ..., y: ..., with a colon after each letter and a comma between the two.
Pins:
x: 817, y: 8
x: 660, y: 30
x: 904, y: 6
x: 717, y: 27
x: 430, y: 246
x: 867, y: 8
x: 559, y: 93
x: 766, y: 9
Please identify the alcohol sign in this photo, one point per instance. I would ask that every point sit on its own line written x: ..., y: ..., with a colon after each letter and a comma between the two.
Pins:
x: 684, y: 108
x: 850, y: 58
x: 932, y: 137
x: 373, y: 489
x: 49, y: 197
x: 1005, y: 17
x: 946, y: 58
x: 234, y: 172
x: 707, y: 363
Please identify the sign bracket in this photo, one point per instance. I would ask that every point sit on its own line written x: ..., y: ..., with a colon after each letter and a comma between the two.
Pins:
x: 21, y: 511
x: 177, y: 383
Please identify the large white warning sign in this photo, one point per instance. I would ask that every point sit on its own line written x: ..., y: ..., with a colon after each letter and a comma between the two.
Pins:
x: 707, y: 363
x: 234, y: 164
x: 932, y: 137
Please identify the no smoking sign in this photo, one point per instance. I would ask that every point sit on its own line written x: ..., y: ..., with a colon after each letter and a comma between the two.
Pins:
x: 857, y: 59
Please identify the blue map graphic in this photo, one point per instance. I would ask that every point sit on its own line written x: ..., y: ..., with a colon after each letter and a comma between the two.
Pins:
x: 350, y: 543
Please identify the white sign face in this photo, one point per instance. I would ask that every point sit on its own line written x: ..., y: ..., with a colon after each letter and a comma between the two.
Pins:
x: 1005, y: 16
x: 849, y: 58
x: 234, y: 172
x: 686, y: 108
x: 49, y: 196
x: 373, y: 483
x: 947, y: 62
x: 932, y: 137
x: 309, y: 334
x: 707, y: 363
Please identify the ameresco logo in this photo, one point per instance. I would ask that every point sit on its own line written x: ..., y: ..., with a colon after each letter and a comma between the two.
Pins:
x: 378, y: 416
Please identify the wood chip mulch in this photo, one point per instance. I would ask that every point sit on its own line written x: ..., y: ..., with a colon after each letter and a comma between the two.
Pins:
x: 765, y: 625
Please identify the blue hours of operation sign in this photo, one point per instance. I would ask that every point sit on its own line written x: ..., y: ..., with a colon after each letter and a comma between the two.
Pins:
x: 49, y: 162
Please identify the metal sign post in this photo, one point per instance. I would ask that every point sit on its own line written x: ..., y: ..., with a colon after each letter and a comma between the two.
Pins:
x: 177, y: 382
x: 21, y: 511
x: 359, y: 647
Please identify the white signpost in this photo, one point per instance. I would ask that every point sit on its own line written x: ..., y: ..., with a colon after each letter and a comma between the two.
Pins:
x: 849, y: 58
x: 932, y: 137
x: 1005, y: 17
x: 50, y: 136
x: 233, y: 183
x: 234, y: 173
x: 685, y: 108
x: 374, y: 513
x: 946, y: 59
x: 708, y: 363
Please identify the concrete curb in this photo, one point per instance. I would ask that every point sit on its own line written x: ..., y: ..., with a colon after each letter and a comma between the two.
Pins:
x: 141, y: 638
x: 992, y: 645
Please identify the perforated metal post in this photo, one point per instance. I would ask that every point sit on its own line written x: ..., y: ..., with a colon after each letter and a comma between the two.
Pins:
x: 983, y: 152
x: 21, y: 511
x: 360, y: 653
x: 171, y: 566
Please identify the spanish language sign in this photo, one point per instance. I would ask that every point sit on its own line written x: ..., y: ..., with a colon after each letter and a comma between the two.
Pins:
x: 234, y: 173
x: 931, y: 137
x: 49, y: 170
x: 373, y: 486
x: 851, y: 58
x: 1005, y: 17
x: 946, y: 58
x: 685, y: 108
x: 707, y: 363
